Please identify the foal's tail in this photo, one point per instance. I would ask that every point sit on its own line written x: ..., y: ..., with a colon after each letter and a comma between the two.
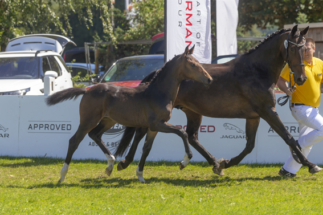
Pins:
x: 125, y: 141
x: 63, y: 95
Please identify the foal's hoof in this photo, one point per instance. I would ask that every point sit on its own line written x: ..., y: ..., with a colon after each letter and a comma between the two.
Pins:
x: 140, y: 176
x: 315, y: 169
x: 223, y: 162
x: 218, y: 171
x: 181, y: 166
x: 120, y: 167
x: 108, y: 170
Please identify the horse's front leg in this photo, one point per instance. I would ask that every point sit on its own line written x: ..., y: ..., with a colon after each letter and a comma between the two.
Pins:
x: 145, y: 152
x: 168, y: 128
x: 272, y: 118
x: 140, y: 133
x: 251, y: 130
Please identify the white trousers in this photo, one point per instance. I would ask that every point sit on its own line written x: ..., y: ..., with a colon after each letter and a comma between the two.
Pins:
x: 310, y: 132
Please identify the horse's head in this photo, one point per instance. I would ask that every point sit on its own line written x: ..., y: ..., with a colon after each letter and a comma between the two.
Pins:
x: 191, y: 69
x: 294, y: 49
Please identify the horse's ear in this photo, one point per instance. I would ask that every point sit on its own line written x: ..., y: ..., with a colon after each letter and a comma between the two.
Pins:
x: 294, y: 30
x: 192, y: 50
x: 304, y: 32
x: 186, y: 50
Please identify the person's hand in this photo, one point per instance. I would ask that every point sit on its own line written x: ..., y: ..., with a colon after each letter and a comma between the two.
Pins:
x: 291, y: 91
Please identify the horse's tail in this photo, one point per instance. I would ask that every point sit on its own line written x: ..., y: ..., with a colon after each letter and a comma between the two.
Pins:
x: 63, y: 95
x: 125, y: 141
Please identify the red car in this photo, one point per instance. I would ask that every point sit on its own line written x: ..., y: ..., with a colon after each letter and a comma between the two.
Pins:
x: 129, y: 71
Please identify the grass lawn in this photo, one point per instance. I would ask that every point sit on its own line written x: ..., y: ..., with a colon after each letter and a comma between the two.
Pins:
x: 29, y: 186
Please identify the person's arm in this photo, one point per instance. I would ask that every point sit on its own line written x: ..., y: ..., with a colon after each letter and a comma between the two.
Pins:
x: 283, y: 86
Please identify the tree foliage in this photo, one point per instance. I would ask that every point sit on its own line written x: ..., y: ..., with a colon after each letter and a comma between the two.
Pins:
x: 19, y: 17
x: 277, y: 13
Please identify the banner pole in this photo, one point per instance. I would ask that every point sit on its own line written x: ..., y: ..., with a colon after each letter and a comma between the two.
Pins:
x: 216, y: 36
x: 165, y: 30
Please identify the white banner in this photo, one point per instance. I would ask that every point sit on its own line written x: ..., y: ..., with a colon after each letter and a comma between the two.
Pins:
x: 226, y: 26
x: 189, y: 23
x: 28, y: 127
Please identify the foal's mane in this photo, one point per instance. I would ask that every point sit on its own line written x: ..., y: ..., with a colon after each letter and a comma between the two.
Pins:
x: 159, y: 70
x: 279, y: 32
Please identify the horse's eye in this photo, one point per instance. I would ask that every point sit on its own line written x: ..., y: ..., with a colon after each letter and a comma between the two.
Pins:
x: 193, y: 65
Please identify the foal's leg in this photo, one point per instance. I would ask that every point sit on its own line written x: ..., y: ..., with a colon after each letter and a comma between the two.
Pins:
x: 272, y: 118
x: 74, y: 142
x: 96, y: 134
x: 140, y: 133
x: 193, y: 124
x: 251, y: 130
x: 145, y: 152
x: 168, y: 128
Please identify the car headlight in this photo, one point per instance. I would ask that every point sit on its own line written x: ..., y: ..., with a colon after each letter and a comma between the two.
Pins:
x: 17, y: 92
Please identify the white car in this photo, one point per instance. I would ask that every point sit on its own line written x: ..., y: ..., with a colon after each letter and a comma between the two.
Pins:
x: 32, y: 65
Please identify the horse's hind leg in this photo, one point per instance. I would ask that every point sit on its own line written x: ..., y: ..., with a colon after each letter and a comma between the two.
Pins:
x: 251, y: 130
x: 145, y: 152
x: 140, y: 133
x: 96, y: 135
x: 73, y: 144
x: 193, y: 124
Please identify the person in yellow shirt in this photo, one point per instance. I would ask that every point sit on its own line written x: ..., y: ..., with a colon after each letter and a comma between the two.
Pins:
x: 305, y: 100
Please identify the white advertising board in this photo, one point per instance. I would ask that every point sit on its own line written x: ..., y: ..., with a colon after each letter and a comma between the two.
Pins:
x: 28, y: 127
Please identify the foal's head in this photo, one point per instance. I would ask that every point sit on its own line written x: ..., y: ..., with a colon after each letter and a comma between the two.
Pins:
x: 190, y: 68
x: 294, y: 51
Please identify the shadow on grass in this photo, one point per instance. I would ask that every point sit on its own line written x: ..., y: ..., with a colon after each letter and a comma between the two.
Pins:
x: 103, y: 182
x: 38, y: 161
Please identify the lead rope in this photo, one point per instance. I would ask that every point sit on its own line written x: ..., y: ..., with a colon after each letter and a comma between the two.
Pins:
x: 287, y: 97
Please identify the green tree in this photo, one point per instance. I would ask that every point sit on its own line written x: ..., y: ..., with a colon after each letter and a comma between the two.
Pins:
x: 149, y: 20
x: 277, y: 13
x: 19, y: 17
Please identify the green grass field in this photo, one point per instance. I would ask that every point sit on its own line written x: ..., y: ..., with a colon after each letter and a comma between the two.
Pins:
x: 29, y: 186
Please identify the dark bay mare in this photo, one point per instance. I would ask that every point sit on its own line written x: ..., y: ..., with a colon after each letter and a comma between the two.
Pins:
x: 148, y: 106
x: 242, y: 88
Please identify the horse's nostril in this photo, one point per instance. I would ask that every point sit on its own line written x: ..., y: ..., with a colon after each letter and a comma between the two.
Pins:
x: 209, y: 80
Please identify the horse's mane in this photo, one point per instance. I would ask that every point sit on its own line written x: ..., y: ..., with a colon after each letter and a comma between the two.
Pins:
x: 158, y: 71
x: 279, y: 32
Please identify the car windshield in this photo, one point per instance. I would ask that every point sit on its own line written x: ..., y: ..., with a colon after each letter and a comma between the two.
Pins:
x: 131, y: 70
x: 19, y: 68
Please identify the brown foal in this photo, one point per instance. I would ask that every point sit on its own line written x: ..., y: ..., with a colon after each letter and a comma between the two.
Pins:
x: 148, y: 105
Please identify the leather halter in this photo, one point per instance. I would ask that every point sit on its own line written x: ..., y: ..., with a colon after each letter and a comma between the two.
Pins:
x: 286, y: 46
x: 286, y: 43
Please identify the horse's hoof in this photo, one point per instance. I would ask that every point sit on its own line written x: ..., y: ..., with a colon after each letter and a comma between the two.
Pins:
x: 141, y: 179
x: 223, y: 162
x: 60, y: 181
x: 108, y: 170
x: 218, y: 171
x: 181, y: 166
x: 140, y: 176
x: 315, y: 169
x: 119, y: 167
